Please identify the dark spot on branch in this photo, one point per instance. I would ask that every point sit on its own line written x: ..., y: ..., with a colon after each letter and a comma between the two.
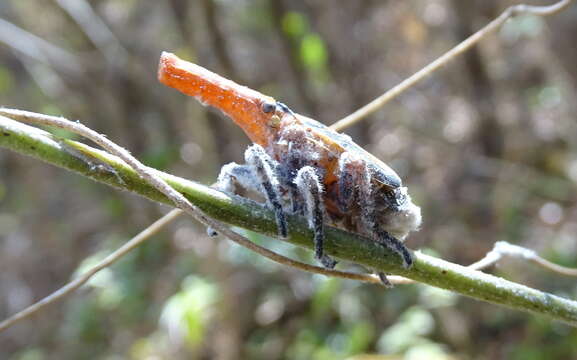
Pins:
x: 6, y: 134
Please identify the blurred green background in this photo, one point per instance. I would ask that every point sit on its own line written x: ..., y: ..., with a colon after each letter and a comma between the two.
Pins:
x: 487, y: 147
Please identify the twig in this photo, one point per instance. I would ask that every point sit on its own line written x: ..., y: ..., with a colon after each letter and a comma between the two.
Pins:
x: 340, y: 244
x: 59, y: 294
x: 446, y: 57
x: 505, y: 249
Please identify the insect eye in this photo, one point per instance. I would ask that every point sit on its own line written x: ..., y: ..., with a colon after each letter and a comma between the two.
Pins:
x: 274, y: 121
x: 268, y: 107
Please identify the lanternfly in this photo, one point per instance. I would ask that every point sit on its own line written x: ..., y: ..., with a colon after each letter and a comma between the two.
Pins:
x: 303, y: 167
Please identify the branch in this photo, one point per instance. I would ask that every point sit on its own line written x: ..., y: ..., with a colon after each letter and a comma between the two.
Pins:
x: 446, y: 57
x: 250, y: 215
x: 151, y: 177
x: 501, y: 250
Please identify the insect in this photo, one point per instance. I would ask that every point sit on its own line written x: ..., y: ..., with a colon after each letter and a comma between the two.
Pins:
x: 303, y: 167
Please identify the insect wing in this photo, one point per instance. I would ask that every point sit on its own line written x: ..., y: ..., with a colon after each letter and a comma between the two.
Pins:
x: 381, y: 172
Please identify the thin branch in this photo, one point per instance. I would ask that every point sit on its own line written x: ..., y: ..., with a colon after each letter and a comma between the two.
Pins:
x: 247, y: 214
x: 505, y: 249
x: 59, y: 294
x: 563, y: 270
x: 494, y: 25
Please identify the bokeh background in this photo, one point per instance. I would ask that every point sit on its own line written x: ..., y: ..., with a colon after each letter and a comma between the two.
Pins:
x: 487, y: 147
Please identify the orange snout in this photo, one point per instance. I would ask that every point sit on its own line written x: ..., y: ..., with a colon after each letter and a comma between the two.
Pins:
x: 243, y: 105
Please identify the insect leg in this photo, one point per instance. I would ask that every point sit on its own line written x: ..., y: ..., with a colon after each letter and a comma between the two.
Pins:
x: 263, y: 168
x: 230, y: 175
x: 346, y: 181
x: 384, y: 280
x: 369, y: 218
x: 291, y: 164
x: 309, y: 185
x: 233, y: 173
x: 296, y: 201
x: 394, y: 244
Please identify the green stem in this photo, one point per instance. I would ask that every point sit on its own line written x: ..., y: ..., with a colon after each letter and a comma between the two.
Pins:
x: 237, y: 211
